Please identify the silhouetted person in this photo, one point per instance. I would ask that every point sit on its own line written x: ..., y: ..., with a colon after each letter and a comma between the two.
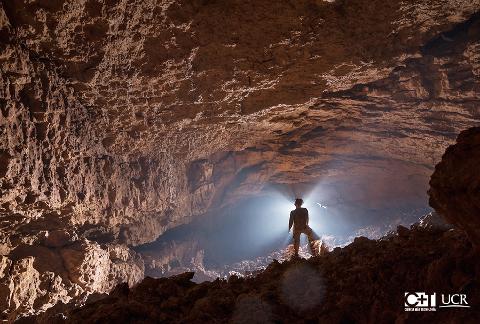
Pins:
x: 299, y: 220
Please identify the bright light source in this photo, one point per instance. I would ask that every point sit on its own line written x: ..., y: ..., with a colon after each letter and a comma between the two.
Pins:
x: 323, y: 206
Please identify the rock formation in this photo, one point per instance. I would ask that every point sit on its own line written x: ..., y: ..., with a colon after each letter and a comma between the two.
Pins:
x: 455, y: 184
x: 121, y: 120
x: 36, y: 276
x: 365, y: 282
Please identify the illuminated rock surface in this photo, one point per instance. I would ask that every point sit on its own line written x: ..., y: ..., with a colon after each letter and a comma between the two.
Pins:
x: 120, y: 121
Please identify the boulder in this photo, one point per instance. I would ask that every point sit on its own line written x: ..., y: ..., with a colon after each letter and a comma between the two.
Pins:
x: 455, y: 184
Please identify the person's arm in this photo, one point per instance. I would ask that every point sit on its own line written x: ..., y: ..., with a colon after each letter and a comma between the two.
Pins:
x: 290, y: 222
x: 307, y: 215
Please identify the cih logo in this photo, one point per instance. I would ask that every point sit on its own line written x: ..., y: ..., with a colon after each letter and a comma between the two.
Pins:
x: 421, y: 301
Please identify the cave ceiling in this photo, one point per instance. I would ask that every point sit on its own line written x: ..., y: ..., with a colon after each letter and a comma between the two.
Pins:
x: 124, y: 119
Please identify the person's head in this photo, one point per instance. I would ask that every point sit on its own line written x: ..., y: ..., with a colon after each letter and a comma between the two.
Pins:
x: 298, y: 202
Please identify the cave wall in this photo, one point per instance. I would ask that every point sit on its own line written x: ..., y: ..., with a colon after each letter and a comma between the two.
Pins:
x: 120, y: 120
x: 455, y: 184
x: 154, y: 86
x: 52, y: 169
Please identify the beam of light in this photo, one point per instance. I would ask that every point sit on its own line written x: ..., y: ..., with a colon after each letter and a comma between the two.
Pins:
x: 328, y: 216
x: 288, y: 240
x: 258, y: 226
x: 253, y: 228
x: 285, y: 204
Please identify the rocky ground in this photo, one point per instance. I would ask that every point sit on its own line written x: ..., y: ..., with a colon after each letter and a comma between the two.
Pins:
x: 363, y: 282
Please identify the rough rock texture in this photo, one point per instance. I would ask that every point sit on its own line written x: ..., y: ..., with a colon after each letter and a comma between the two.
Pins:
x: 455, y: 184
x: 172, y: 256
x: 38, y: 276
x: 364, y: 282
x: 120, y: 120
x: 109, y: 107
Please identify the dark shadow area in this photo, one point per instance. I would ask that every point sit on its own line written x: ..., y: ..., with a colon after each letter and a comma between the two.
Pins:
x: 459, y: 36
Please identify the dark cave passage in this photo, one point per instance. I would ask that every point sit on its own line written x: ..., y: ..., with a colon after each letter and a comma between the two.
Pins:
x: 258, y: 226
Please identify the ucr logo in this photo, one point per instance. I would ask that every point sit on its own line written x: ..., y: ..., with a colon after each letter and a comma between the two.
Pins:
x: 454, y: 300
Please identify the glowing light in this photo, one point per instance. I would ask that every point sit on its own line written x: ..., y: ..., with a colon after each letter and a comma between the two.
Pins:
x: 323, y: 206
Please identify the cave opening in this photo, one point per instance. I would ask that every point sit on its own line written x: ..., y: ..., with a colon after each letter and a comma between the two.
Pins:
x: 363, y: 200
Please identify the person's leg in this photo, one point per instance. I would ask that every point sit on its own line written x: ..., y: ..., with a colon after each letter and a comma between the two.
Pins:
x: 311, y: 240
x: 296, y: 241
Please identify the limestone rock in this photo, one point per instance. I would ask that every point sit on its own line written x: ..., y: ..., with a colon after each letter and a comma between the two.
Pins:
x: 125, y: 266
x: 39, y: 277
x: 194, y: 117
x: 59, y: 238
x: 121, y: 120
x: 329, y: 285
x: 455, y: 184
x: 87, y: 265
x: 433, y: 221
x: 20, y: 289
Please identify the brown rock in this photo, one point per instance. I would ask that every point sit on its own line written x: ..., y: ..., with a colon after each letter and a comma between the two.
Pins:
x: 382, y: 275
x: 20, y: 289
x: 455, y: 184
x: 59, y: 238
x: 402, y: 231
x: 119, y: 122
